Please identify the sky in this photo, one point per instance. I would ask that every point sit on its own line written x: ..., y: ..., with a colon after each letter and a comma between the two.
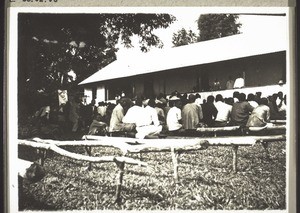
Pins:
x: 252, y: 25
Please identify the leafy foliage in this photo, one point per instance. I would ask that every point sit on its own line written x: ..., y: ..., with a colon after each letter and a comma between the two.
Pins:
x: 206, y: 182
x: 54, y: 46
x: 184, y: 37
x: 210, y: 26
x: 213, y: 26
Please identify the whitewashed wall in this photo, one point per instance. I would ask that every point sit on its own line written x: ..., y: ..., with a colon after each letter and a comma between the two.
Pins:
x: 100, y: 93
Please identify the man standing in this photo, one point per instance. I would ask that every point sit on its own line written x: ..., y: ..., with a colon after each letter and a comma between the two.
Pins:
x: 229, y: 83
x: 239, y: 82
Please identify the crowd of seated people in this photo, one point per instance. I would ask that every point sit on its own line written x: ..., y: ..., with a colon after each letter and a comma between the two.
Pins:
x: 146, y: 117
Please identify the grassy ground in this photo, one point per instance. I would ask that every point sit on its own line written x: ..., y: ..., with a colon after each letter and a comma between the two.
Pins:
x: 207, y: 182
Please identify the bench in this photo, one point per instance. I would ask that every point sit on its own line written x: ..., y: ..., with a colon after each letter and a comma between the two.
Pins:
x: 278, y: 121
x: 177, y: 145
x: 239, y: 130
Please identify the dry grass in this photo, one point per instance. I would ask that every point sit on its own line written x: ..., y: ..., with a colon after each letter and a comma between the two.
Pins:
x: 207, y: 182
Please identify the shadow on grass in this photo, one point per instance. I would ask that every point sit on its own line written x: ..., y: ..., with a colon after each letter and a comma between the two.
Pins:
x: 136, y: 194
x: 28, y: 202
x: 201, y: 180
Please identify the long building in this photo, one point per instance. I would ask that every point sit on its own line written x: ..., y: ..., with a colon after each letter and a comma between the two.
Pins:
x: 260, y: 59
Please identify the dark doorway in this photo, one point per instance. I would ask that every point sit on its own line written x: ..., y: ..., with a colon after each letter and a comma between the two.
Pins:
x: 204, y: 81
x: 148, y: 87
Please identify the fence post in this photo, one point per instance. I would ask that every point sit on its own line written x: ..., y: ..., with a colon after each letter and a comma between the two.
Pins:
x: 89, y: 152
x: 119, y: 181
x: 42, y: 155
x: 234, y: 158
x: 175, y: 159
x: 265, y: 146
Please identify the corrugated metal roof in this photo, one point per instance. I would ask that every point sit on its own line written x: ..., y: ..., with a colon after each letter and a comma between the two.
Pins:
x: 222, y: 49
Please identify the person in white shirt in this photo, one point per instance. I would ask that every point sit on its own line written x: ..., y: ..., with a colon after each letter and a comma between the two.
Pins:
x: 101, y: 109
x: 251, y: 100
x: 174, y: 115
x: 280, y: 102
x: 116, y: 120
x: 239, y: 82
x: 135, y: 114
x: 235, y: 96
x: 150, y: 125
x: 224, y: 110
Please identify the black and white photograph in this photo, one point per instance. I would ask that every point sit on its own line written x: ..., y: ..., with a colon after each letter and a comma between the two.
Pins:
x: 159, y: 108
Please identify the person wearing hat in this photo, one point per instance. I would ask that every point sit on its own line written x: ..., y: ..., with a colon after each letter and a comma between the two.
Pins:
x: 174, y: 118
x: 191, y: 114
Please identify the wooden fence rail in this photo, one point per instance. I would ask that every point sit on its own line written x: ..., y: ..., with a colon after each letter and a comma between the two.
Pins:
x: 174, y: 145
x: 120, y: 161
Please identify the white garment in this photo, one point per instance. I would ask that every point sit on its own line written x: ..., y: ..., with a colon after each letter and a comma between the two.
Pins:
x: 282, y: 107
x: 101, y: 110
x: 239, y: 83
x: 149, y: 124
x: 199, y: 101
x: 174, y: 115
x: 253, y: 103
x: 150, y: 116
x: 224, y: 111
x: 147, y: 130
x: 45, y: 111
x: 135, y: 114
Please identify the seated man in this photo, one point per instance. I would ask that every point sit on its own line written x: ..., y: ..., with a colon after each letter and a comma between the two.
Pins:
x: 209, y: 111
x: 134, y: 115
x: 260, y: 115
x: 191, y: 114
x: 160, y: 112
x: 97, y: 127
x: 174, y: 115
x: 240, y: 111
x: 117, y: 115
x: 149, y: 124
x: 224, y: 110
